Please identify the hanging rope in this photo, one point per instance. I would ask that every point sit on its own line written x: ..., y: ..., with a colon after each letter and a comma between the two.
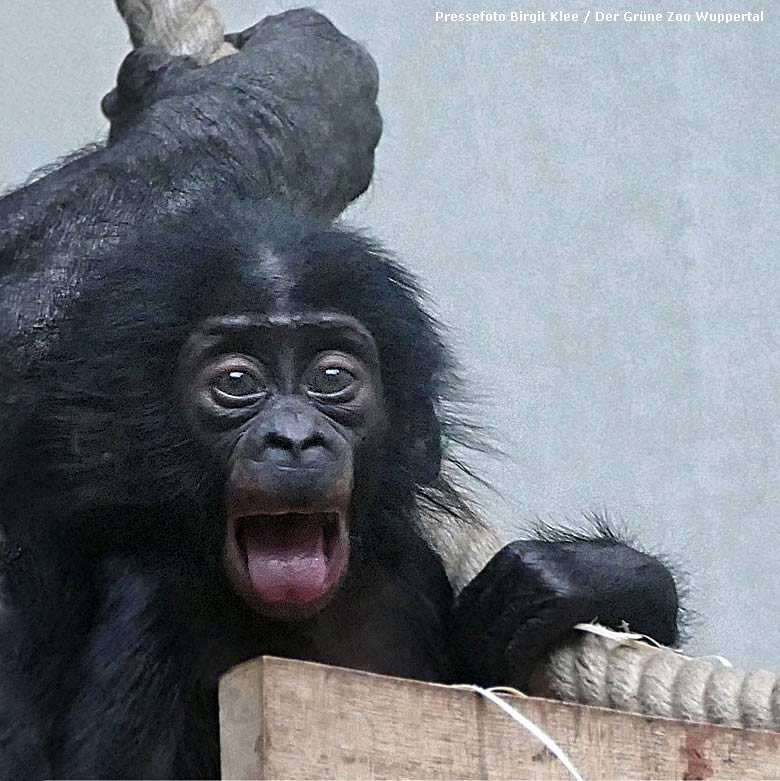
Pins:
x: 181, y: 27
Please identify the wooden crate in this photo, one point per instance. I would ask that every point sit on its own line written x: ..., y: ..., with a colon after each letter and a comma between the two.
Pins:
x: 289, y: 719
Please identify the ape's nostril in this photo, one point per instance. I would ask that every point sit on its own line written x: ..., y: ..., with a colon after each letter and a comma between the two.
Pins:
x: 275, y: 439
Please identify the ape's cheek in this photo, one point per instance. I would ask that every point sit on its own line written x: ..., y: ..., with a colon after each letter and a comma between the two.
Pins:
x: 287, y: 566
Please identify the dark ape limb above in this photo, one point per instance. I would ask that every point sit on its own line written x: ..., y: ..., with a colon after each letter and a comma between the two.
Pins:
x: 292, y: 117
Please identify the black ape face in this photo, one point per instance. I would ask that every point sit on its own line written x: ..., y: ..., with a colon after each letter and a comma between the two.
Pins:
x: 290, y: 405
x: 269, y: 401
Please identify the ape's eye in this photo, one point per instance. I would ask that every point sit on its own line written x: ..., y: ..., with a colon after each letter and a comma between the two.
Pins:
x: 329, y: 380
x: 238, y: 384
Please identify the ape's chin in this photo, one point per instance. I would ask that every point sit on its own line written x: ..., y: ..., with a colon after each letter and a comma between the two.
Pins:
x: 287, y: 565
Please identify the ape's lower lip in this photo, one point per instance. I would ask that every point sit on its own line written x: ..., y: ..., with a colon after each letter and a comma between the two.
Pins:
x: 288, y: 564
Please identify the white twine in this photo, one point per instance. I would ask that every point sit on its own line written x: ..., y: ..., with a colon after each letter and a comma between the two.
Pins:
x: 535, y: 730
x: 624, y: 638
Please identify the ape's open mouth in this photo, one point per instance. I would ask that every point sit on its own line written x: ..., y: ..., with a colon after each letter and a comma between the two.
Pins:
x: 290, y: 562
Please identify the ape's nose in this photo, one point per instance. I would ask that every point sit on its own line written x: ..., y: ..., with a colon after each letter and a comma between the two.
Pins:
x: 294, y: 440
x: 291, y: 434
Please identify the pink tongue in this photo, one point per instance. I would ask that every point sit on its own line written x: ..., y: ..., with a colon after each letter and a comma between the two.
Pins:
x: 286, y: 560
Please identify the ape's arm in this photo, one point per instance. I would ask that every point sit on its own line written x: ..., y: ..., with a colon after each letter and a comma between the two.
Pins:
x: 533, y: 592
x: 291, y: 117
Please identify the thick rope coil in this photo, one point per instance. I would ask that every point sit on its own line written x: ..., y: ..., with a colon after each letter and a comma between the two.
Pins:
x: 616, y: 670
x: 181, y: 27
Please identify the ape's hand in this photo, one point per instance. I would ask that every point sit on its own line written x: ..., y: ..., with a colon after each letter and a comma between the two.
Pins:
x: 532, y: 593
x: 294, y: 78
x: 526, y: 599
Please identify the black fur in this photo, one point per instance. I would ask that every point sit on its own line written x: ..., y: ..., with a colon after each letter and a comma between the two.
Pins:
x: 124, y: 619
x: 114, y: 506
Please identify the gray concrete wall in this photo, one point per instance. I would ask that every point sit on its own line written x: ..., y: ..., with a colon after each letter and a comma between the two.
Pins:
x: 594, y: 208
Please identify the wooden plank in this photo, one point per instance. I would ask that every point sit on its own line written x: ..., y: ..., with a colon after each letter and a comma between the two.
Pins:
x: 298, y: 720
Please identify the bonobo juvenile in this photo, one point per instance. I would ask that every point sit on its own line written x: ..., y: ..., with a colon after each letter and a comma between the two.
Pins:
x: 223, y: 429
x: 230, y: 457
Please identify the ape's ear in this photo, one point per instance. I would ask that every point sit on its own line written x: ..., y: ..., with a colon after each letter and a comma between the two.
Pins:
x: 424, y: 441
